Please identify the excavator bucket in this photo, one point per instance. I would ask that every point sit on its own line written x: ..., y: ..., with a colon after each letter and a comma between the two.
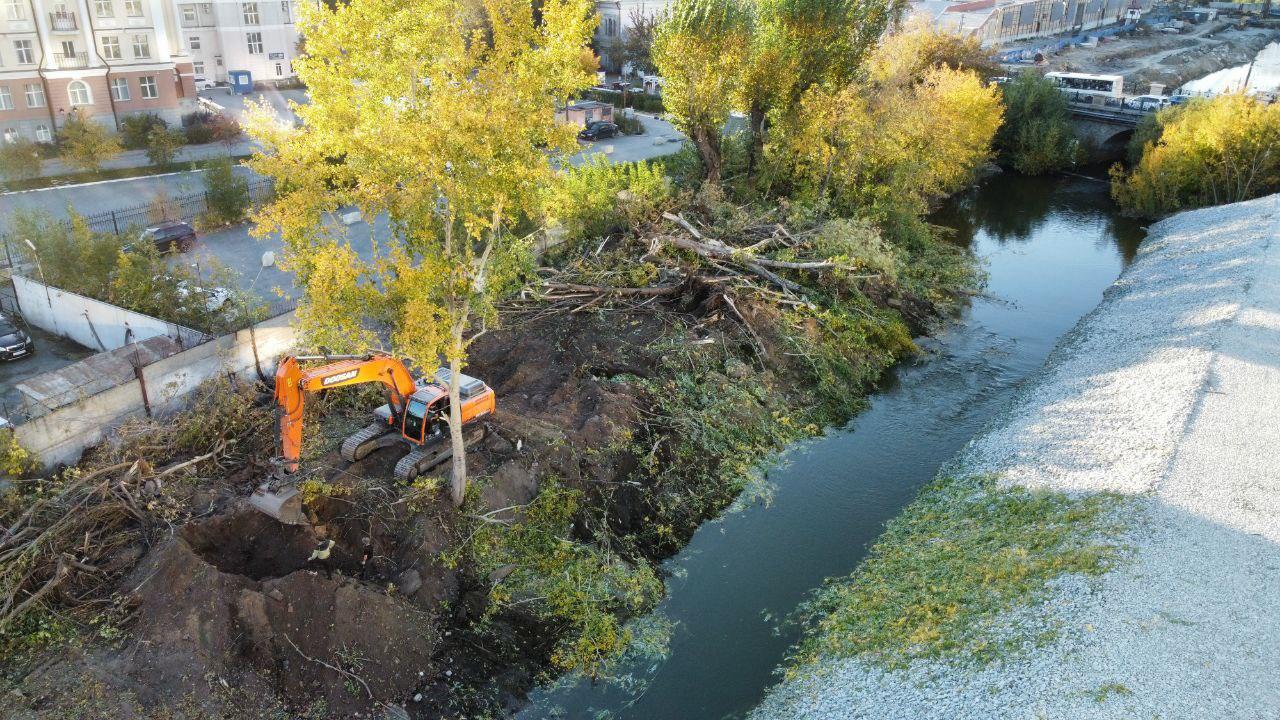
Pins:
x: 283, y: 504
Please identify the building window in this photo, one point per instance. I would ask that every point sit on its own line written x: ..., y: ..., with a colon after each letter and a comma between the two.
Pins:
x: 255, y: 42
x: 610, y: 27
x: 217, y: 60
x: 43, y: 134
x: 141, y: 46
x: 79, y: 93
x: 6, y: 98
x: 111, y: 47
x: 22, y: 48
x: 206, y: 8
x: 11, y: 135
x: 119, y: 89
x: 104, y: 8
x: 194, y: 42
x: 279, y: 70
x: 15, y: 9
x: 35, y: 95
x: 133, y: 8
x: 250, y: 12
x: 197, y: 67
x: 147, y: 84
x: 68, y: 49
x: 284, y: 11
x: 189, y: 14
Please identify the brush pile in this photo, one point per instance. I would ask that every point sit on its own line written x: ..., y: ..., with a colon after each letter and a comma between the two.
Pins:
x: 67, y: 539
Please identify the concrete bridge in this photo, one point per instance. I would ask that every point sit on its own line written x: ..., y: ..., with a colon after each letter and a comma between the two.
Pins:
x: 1104, y: 130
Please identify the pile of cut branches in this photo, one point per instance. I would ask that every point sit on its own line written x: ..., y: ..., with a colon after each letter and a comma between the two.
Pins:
x: 67, y: 539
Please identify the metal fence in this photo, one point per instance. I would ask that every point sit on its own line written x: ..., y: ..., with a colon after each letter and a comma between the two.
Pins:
x: 178, y: 207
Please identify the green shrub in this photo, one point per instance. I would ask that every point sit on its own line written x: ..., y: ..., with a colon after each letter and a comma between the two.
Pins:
x: 227, y: 194
x: 85, y: 143
x: 579, y: 586
x: 163, y: 145
x: 19, y: 160
x: 1036, y: 136
x: 135, y: 130
x: 602, y: 197
x: 15, y: 460
x: 205, y: 127
x: 1209, y: 152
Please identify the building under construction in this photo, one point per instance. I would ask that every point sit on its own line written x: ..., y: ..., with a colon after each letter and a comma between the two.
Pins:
x: 1000, y: 21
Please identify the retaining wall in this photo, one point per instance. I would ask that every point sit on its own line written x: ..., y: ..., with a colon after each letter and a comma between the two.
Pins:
x: 62, y: 435
x: 92, y: 323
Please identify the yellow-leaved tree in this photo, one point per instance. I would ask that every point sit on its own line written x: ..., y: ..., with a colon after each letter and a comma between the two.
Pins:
x: 701, y: 51
x: 438, y: 115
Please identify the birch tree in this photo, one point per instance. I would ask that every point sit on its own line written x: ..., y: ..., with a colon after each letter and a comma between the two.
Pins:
x: 440, y: 117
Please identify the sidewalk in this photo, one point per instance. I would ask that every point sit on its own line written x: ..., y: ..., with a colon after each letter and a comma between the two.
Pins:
x: 138, y: 158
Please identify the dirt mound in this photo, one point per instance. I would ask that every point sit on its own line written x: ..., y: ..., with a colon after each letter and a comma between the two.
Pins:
x: 227, y: 597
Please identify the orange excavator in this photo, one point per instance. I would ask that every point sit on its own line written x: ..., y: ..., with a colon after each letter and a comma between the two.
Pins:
x: 416, y: 413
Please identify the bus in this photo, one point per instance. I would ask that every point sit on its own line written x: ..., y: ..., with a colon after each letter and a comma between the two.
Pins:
x: 1082, y: 87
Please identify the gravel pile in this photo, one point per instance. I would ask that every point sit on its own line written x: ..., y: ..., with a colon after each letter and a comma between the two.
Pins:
x: 1168, y: 392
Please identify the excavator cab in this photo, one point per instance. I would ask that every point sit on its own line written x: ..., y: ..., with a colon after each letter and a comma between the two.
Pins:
x: 422, y: 417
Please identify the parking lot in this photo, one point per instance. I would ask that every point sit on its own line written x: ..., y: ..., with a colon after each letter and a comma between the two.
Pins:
x: 52, y: 353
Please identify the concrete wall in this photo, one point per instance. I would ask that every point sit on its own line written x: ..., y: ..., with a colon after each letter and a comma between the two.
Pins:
x: 92, y: 323
x: 62, y: 435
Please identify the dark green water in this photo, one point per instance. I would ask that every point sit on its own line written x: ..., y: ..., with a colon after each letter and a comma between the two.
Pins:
x: 1051, y: 246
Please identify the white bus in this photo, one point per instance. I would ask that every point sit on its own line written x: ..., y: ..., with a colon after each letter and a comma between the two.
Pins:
x: 1105, y: 86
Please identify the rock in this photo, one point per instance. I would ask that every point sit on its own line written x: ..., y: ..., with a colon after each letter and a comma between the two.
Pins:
x: 276, y: 595
x: 409, y: 582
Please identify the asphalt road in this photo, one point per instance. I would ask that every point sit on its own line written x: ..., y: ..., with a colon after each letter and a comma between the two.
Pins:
x: 52, y: 353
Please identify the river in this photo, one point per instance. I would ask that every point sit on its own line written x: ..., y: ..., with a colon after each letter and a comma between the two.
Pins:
x: 1051, y: 246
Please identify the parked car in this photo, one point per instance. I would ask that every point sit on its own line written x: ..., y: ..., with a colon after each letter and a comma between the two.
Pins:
x: 14, y: 341
x: 1147, y: 102
x: 1179, y: 99
x: 170, y: 236
x: 598, y: 130
x: 216, y: 298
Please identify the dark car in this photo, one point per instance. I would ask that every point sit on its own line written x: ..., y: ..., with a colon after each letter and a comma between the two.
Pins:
x: 14, y: 342
x: 598, y: 130
x: 170, y: 236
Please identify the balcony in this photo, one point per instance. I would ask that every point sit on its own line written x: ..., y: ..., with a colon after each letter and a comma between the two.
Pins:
x: 63, y: 22
x: 72, y: 61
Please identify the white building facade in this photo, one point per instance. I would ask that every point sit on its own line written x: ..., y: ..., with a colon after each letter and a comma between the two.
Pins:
x: 224, y: 35
x: 104, y: 59
x: 617, y: 17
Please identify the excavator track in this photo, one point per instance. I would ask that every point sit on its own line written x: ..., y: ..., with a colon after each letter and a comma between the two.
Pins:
x: 359, y: 444
x: 429, y: 455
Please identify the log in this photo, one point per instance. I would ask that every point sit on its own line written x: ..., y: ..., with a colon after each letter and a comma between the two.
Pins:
x: 606, y: 290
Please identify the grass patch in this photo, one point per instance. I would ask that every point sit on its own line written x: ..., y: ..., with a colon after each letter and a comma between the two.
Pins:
x: 965, y: 552
x: 1106, y: 691
x: 110, y: 174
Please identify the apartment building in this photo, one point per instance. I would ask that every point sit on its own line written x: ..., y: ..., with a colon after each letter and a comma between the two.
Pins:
x: 995, y: 22
x: 104, y: 58
x: 227, y: 35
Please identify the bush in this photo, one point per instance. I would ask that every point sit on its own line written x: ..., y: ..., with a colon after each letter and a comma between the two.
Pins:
x: 85, y: 143
x: 1209, y: 152
x: 227, y: 194
x: 19, y: 160
x: 629, y: 125
x: 163, y: 145
x: 206, y: 127
x: 1036, y: 137
x: 135, y: 130
x: 602, y: 197
x: 636, y: 100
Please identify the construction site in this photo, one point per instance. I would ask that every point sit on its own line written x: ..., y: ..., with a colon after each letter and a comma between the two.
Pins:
x: 246, y: 551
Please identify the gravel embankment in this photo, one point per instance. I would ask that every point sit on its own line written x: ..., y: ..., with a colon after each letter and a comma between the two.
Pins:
x: 1168, y: 392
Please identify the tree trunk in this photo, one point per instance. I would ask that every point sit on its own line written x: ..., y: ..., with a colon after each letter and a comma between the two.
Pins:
x: 757, y: 138
x: 458, y: 477
x: 708, y: 144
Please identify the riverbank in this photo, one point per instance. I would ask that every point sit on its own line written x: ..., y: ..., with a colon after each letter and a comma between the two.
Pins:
x: 1159, y: 409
